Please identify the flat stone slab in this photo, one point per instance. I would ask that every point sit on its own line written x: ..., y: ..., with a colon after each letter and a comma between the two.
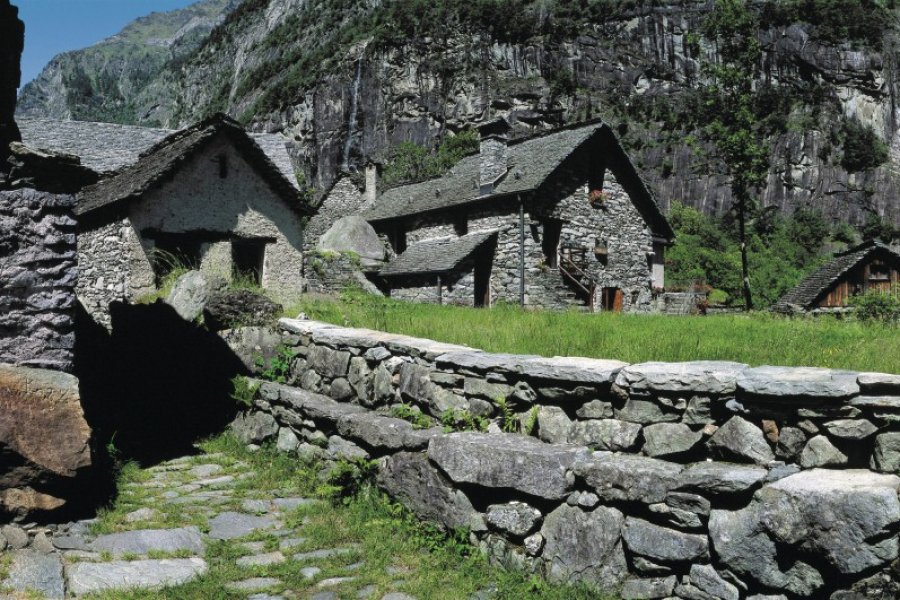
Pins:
x: 712, y: 377
x: 321, y: 554
x: 30, y: 570
x: 313, y: 406
x: 506, y: 461
x: 721, y: 478
x: 231, y: 525
x: 805, y: 383
x: 260, y: 560
x: 628, y: 477
x: 385, y: 433
x: 879, y: 382
x: 142, y: 541
x: 85, y: 578
x: 254, y: 584
x: 558, y: 368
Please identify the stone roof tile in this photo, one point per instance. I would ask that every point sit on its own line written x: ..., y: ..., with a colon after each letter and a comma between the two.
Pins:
x: 436, y: 256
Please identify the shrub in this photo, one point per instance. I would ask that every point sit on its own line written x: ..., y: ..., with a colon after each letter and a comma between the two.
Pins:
x: 243, y: 390
x: 863, y: 149
x: 878, y: 306
x: 278, y: 368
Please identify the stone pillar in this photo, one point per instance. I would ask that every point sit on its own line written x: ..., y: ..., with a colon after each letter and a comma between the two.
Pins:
x: 12, y: 41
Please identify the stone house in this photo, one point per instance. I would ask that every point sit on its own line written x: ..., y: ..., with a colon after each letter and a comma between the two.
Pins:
x: 871, y: 265
x: 555, y: 220
x: 209, y: 195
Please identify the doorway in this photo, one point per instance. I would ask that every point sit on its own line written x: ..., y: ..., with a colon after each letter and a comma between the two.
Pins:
x: 247, y: 260
x: 482, y: 283
x: 611, y: 299
x: 550, y: 242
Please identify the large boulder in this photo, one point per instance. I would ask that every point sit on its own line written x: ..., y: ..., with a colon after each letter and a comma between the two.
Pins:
x: 44, y: 438
x: 227, y: 309
x: 627, y: 477
x: 585, y: 546
x: 846, y: 520
x: 410, y: 478
x: 354, y: 234
x: 191, y: 292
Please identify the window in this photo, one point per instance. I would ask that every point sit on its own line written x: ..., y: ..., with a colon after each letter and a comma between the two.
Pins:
x: 247, y: 260
x: 879, y: 272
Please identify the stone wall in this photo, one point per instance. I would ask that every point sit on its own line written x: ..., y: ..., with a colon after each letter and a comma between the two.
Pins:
x: 38, y: 272
x: 690, y: 480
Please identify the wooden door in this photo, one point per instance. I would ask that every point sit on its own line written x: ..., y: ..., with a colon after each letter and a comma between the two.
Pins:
x: 612, y: 299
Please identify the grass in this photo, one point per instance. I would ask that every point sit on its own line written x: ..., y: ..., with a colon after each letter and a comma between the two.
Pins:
x: 756, y: 339
x: 378, y: 533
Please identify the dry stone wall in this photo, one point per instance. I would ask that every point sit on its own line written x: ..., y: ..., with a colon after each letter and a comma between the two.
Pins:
x: 698, y: 480
x: 38, y: 272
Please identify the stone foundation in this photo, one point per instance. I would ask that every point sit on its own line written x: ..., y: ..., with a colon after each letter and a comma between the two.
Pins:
x: 656, y: 480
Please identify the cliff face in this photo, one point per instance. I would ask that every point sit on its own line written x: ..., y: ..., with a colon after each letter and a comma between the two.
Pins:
x: 128, y: 78
x: 326, y: 74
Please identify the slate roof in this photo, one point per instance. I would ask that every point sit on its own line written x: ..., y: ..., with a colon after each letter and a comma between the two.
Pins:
x: 820, y: 281
x: 108, y: 147
x: 159, y: 163
x: 436, y: 256
x: 102, y: 147
x: 531, y: 162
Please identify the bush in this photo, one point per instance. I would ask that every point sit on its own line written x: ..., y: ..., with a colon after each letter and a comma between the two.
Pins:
x: 877, y: 306
x: 863, y: 149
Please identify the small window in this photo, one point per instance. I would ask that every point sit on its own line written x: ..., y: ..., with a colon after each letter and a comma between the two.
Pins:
x: 223, y: 165
x: 247, y: 260
x: 879, y: 272
x: 397, y: 238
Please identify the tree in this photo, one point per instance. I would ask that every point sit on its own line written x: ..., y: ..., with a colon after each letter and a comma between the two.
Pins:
x: 730, y: 102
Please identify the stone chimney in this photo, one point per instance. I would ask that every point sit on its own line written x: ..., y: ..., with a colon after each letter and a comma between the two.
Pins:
x: 494, y: 153
x: 371, y: 190
x: 12, y: 40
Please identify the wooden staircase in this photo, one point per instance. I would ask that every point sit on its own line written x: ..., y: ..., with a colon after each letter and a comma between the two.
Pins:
x: 573, y: 268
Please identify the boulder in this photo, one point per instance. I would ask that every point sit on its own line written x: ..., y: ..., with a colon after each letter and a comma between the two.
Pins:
x: 251, y: 344
x: 717, y: 378
x: 507, y: 461
x: 585, y: 547
x: 844, y: 519
x: 43, y: 434
x: 663, y: 545
x: 645, y: 412
x: 605, y: 434
x: 650, y: 588
x: 553, y: 425
x: 306, y: 405
x: 410, y: 478
x: 879, y: 383
x: 741, y: 440
x: 514, y: 518
x: 850, y: 429
x: 354, y: 234
x: 626, y: 477
x: 669, y: 439
x: 820, y: 452
x: 228, y: 309
x: 798, y: 383
x: 707, y: 580
x: 287, y: 440
x: 254, y: 427
x: 192, y: 292
x: 791, y: 441
x: 384, y: 434
x: 886, y: 456
x: 416, y: 386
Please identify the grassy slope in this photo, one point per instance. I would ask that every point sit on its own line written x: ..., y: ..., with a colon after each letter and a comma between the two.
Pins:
x: 756, y: 339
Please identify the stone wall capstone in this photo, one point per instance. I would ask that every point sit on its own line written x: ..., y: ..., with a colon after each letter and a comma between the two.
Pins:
x: 698, y: 480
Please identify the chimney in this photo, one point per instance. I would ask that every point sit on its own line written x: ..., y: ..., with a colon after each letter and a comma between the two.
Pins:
x: 371, y: 190
x: 494, y: 153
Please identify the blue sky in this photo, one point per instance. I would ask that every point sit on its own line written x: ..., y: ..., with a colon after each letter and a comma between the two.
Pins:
x: 54, y: 26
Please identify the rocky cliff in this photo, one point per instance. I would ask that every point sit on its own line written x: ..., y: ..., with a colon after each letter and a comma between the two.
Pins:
x: 128, y: 78
x: 348, y: 79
